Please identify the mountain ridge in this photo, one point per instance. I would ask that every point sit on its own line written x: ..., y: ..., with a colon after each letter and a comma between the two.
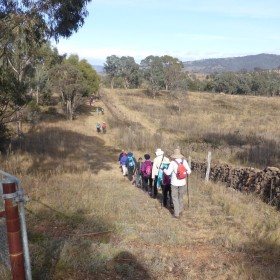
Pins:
x: 233, y: 64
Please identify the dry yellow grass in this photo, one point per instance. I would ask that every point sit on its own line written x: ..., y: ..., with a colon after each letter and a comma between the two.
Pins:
x: 85, y: 221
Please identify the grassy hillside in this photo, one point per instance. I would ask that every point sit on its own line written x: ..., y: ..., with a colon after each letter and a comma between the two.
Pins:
x: 85, y: 221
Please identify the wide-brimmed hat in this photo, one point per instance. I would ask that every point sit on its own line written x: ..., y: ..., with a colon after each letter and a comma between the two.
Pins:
x: 177, y: 154
x: 159, y: 152
x: 166, y: 160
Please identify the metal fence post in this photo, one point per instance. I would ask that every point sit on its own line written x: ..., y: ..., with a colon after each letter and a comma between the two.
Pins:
x: 13, y: 230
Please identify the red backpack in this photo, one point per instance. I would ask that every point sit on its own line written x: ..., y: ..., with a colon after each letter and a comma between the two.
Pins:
x: 181, y: 170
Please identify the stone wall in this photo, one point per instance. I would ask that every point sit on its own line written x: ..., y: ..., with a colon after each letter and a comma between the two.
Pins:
x: 265, y: 183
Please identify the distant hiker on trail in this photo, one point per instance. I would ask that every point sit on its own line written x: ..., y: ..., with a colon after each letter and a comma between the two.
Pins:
x: 139, y: 164
x: 164, y: 181
x: 91, y: 101
x: 102, y: 111
x: 104, y: 127
x: 131, y: 166
x: 179, y: 170
x: 146, y: 171
x: 123, y: 161
x: 98, y: 127
x: 156, y: 165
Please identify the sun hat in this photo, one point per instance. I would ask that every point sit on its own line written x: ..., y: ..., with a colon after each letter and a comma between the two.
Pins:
x: 146, y: 156
x: 166, y: 160
x: 159, y: 152
x: 177, y: 154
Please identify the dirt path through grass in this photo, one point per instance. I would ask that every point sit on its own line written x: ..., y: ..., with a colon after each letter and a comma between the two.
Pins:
x: 203, y: 244
x: 86, y: 221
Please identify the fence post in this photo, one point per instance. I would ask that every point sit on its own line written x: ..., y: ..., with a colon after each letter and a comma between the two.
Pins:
x: 13, y: 230
x: 208, y: 167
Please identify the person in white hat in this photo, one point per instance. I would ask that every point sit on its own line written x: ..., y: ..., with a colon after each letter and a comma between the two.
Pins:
x: 156, y: 165
x: 178, y: 182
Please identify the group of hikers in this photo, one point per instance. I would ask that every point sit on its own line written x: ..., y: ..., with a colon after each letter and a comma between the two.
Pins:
x: 164, y: 174
x: 99, y: 127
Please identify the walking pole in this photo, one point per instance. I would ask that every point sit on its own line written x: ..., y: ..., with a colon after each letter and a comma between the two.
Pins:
x: 188, y: 191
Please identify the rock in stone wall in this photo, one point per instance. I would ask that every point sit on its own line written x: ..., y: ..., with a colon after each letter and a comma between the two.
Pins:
x: 265, y: 183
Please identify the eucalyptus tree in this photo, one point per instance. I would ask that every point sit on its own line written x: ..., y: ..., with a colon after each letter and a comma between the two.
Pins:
x: 91, y: 78
x: 112, y: 68
x: 68, y: 80
x: 129, y: 72
x: 24, y: 26
x: 173, y: 70
x: 153, y: 72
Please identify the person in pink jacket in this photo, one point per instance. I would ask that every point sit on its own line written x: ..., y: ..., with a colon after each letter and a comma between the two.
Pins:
x: 146, y: 171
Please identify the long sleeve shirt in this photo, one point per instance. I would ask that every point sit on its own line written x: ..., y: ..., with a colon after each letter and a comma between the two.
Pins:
x: 157, y: 163
x: 172, y: 170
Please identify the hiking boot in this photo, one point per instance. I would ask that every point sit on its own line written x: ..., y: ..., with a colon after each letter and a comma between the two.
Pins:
x: 176, y: 217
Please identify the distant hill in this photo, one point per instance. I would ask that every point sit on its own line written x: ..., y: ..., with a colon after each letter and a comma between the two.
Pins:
x: 98, y: 68
x: 233, y: 64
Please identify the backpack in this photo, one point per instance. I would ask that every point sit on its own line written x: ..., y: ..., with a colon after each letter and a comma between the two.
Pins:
x: 166, y: 179
x: 148, y: 171
x: 130, y: 161
x: 181, y: 171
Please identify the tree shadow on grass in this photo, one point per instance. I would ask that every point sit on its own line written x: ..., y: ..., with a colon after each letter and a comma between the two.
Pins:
x: 60, y: 149
x: 64, y: 246
x: 262, y: 261
x: 126, y: 266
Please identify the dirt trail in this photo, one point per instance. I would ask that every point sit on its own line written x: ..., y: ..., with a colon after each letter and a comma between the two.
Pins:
x: 202, y: 253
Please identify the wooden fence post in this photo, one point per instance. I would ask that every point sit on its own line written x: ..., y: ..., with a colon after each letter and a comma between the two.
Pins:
x: 208, y: 167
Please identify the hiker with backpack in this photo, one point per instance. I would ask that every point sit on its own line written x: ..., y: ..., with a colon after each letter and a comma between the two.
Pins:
x: 98, y: 127
x: 179, y: 169
x: 123, y: 161
x: 139, y: 164
x: 104, y: 127
x: 131, y: 166
x: 156, y: 166
x: 146, y: 171
x: 164, y: 181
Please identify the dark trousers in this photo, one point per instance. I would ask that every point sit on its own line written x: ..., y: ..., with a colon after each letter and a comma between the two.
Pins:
x: 166, y: 191
x: 147, y: 184
x: 130, y: 170
x: 154, y: 191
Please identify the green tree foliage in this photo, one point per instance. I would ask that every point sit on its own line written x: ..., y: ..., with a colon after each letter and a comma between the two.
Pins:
x: 173, y: 72
x: 122, y: 68
x: 68, y: 80
x: 256, y: 83
x: 45, y: 59
x: 112, y: 67
x: 24, y: 27
x: 153, y: 72
x: 129, y: 72
x: 91, y: 78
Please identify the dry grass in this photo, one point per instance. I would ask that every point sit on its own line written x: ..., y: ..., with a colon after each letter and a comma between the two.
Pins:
x: 242, y: 130
x: 85, y: 221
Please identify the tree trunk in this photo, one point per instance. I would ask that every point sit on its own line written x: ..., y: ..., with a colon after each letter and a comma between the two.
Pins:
x: 112, y: 83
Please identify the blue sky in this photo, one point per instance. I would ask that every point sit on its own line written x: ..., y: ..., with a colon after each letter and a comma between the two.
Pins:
x: 186, y: 29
